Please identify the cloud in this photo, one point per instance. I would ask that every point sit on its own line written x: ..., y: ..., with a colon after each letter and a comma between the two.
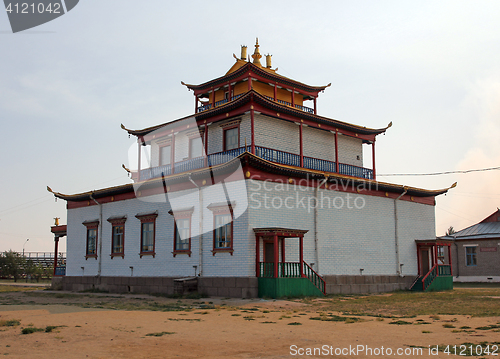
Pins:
x: 477, y: 194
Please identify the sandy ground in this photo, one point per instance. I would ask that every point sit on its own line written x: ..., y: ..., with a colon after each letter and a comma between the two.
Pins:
x: 223, y: 332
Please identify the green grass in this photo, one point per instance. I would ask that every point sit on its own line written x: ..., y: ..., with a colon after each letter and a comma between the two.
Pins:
x: 31, y: 330
x: 159, y: 334
x: 9, y: 323
x: 50, y: 328
x: 336, y: 318
x: 12, y: 288
x: 400, y: 322
x: 476, y: 302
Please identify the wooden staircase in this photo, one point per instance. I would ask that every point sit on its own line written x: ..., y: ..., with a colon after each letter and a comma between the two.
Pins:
x: 438, y: 278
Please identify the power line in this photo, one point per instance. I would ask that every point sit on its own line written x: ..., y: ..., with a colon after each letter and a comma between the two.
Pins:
x: 439, y: 173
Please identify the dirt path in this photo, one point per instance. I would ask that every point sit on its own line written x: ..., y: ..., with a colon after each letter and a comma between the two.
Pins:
x: 251, y: 329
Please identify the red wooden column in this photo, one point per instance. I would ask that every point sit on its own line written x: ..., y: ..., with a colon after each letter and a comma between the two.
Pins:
x: 172, y: 154
x: 435, y: 255
x: 229, y: 97
x: 293, y: 98
x: 56, y: 240
x: 449, y: 258
x: 213, y: 98
x: 336, y: 151
x: 206, y: 144
x: 418, y: 260
x: 276, y: 255
x: 139, y: 159
x: 301, y: 146
x: 301, y: 255
x: 249, y: 83
x: 257, y: 256
x: 195, y: 104
x: 373, y: 159
x: 283, y: 250
x: 315, y: 106
x: 252, y: 129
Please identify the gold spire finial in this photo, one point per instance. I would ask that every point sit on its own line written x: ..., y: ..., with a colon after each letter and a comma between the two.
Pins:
x: 56, y: 221
x: 256, y: 55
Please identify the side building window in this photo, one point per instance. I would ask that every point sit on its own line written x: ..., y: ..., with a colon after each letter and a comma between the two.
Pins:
x: 182, y: 231
x: 223, y: 227
x: 148, y: 233
x: 117, y: 236
x: 91, y: 243
x: 470, y: 256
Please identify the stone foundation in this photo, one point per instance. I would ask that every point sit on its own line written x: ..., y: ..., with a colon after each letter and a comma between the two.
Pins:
x: 228, y: 287
x: 360, y: 284
x: 231, y: 287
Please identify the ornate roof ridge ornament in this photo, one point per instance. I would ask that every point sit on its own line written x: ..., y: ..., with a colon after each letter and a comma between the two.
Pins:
x: 256, y: 55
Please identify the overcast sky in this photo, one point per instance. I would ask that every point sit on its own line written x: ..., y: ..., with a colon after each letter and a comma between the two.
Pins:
x: 432, y: 68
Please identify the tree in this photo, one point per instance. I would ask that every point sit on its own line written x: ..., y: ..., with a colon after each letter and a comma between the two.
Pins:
x: 12, y: 264
x: 450, y: 231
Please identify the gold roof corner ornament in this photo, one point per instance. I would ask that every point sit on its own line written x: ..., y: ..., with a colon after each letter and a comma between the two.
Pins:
x: 125, y: 168
x: 453, y: 185
x: 389, y: 125
x: 256, y: 55
x: 49, y: 189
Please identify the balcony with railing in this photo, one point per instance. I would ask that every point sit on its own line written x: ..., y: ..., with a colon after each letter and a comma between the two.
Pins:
x: 269, y: 154
x: 208, y: 106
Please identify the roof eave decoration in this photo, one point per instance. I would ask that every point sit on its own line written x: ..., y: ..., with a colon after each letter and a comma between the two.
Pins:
x: 270, y: 105
x: 250, y: 67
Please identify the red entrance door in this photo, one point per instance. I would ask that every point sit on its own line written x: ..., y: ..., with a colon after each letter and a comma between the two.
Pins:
x: 269, y: 252
x: 424, y: 257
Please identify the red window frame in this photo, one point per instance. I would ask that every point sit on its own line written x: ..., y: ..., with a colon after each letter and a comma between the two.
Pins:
x: 218, y: 210
x: 91, y: 226
x: 224, y: 136
x: 177, y: 216
x: 146, y: 219
x: 117, y: 222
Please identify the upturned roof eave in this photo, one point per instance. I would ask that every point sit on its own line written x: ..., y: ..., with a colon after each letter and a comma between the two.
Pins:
x: 253, y: 95
x: 248, y: 67
x: 255, y: 162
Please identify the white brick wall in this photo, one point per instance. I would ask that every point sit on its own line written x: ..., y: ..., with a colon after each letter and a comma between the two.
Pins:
x: 361, y: 236
x: 349, y: 150
x: 276, y: 134
x: 319, y: 144
x: 348, y: 238
x: 164, y: 264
